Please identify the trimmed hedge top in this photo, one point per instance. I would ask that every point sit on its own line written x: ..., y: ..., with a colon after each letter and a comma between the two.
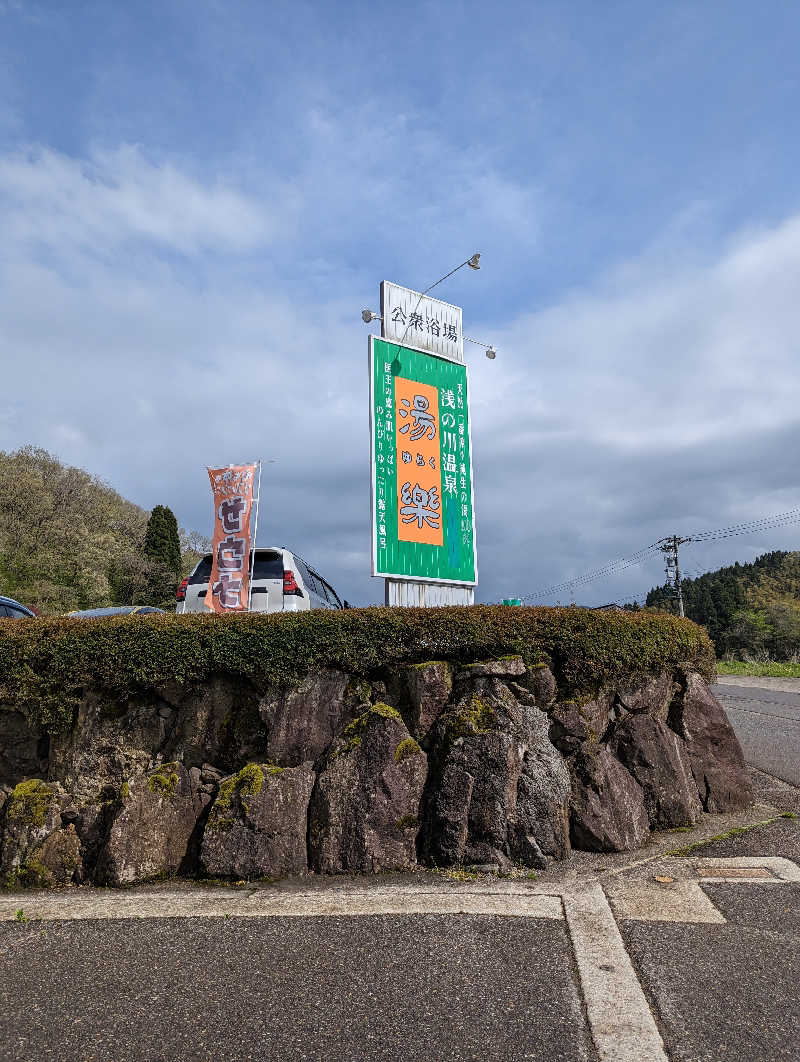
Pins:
x: 45, y: 665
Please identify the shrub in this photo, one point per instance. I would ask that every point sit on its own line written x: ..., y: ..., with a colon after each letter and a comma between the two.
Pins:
x: 46, y: 665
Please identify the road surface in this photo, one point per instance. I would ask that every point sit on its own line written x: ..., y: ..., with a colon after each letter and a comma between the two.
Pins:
x: 767, y: 723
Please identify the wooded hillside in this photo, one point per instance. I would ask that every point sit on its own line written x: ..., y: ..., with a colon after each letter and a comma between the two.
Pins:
x: 751, y: 611
x: 69, y: 541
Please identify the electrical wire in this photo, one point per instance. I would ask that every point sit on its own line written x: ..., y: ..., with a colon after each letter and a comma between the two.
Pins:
x: 764, y: 523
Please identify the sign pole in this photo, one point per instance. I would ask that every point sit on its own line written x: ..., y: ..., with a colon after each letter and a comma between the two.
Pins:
x: 253, y: 544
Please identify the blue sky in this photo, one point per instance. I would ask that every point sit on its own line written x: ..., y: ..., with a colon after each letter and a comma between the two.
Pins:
x: 199, y: 197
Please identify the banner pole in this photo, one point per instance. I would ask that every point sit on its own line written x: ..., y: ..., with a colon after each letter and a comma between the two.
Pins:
x: 253, y: 545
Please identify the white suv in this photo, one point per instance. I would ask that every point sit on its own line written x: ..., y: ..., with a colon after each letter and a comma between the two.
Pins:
x: 282, y: 582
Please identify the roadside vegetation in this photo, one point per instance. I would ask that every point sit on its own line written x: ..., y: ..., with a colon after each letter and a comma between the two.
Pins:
x: 69, y: 541
x: 770, y: 669
x: 751, y: 611
x: 46, y: 666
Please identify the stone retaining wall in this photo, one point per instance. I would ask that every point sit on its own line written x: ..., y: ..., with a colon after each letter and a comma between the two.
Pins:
x: 430, y: 763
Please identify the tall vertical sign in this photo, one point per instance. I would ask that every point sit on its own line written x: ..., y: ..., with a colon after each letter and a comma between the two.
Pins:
x: 423, y: 522
x: 229, y: 582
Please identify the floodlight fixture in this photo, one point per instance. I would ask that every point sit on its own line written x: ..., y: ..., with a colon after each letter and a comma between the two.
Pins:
x: 368, y: 316
x: 474, y: 262
x: 491, y: 353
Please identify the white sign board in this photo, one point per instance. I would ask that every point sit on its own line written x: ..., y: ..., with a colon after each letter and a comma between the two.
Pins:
x: 416, y: 320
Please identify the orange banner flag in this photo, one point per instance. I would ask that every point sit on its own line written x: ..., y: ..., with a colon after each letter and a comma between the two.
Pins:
x: 228, y: 585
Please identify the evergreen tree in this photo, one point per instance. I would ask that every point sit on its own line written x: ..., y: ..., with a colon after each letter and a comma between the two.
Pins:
x: 749, y: 609
x: 161, y: 540
x: 162, y: 550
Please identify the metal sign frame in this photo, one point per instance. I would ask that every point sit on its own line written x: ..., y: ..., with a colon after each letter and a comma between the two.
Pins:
x: 399, y: 575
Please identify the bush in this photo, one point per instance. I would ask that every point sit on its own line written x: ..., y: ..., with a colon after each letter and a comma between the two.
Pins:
x: 45, y: 665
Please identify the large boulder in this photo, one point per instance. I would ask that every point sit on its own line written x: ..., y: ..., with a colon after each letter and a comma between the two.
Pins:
x: 657, y: 759
x: 23, y: 751
x: 217, y: 722
x: 574, y: 722
x: 109, y: 741
x: 428, y: 688
x: 301, y: 723
x: 153, y: 828
x: 364, y: 810
x: 498, y: 789
x: 31, y: 817
x: 723, y: 783
x: 607, y: 809
x: 257, y: 825
x: 651, y: 694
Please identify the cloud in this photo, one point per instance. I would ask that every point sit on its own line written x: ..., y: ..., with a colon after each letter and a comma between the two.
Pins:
x: 669, y: 402
x: 661, y: 398
x: 117, y: 197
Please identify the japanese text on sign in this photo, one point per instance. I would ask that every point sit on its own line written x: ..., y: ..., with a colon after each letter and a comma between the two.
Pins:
x: 230, y: 559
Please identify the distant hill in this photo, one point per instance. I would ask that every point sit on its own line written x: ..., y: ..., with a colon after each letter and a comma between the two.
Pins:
x: 68, y: 540
x: 751, y: 611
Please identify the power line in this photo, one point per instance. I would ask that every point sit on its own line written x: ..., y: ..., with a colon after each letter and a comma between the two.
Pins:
x: 608, y: 569
x: 764, y: 523
x: 668, y: 544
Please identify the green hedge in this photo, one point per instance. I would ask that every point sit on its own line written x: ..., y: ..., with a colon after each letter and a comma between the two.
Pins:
x: 45, y: 665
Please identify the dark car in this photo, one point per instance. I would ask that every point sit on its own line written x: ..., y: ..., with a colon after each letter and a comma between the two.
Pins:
x: 11, y: 609
x: 115, y: 610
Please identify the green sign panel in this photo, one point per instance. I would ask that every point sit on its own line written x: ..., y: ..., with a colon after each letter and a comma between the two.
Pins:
x: 423, y: 524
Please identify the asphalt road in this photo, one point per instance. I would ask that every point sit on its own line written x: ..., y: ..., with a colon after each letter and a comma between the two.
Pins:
x: 372, y: 987
x: 767, y: 723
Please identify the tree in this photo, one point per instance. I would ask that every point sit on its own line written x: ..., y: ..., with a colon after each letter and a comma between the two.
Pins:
x: 62, y: 533
x: 162, y: 548
x: 161, y: 540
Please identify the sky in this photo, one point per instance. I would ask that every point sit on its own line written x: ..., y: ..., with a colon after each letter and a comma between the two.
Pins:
x: 197, y: 200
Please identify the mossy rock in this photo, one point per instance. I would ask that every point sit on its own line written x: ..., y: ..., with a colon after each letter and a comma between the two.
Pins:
x: 164, y: 781
x: 29, y: 802
x: 247, y: 783
x: 407, y: 748
x: 472, y: 717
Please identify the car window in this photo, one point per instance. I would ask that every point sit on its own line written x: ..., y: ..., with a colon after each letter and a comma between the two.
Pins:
x: 16, y: 613
x: 202, y: 573
x: 4, y: 612
x: 319, y: 584
x: 333, y: 597
x: 268, y: 565
x: 322, y: 588
x: 308, y: 577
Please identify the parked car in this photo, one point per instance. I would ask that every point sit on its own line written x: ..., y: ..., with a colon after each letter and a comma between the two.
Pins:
x: 282, y: 582
x: 115, y: 610
x: 11, y: 609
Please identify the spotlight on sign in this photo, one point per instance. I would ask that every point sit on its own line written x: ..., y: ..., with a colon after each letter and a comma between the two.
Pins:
x: 475, y: 261
x: 491, y: 353
x: 369, y: 315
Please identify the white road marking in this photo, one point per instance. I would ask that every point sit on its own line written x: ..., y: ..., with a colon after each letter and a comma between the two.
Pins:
x: 623, y: 1027
x: 260, y: 903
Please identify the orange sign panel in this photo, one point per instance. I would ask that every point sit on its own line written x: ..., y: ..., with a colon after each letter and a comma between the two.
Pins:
x: 228, y: 583
x: 419, y: 478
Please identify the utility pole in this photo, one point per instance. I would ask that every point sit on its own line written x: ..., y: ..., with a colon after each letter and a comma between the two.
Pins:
x: 669, y: 547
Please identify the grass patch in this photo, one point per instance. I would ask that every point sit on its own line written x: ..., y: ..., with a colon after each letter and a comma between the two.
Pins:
x: 736, y: 831
x: 773, y: 669
x: 456, y: 873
